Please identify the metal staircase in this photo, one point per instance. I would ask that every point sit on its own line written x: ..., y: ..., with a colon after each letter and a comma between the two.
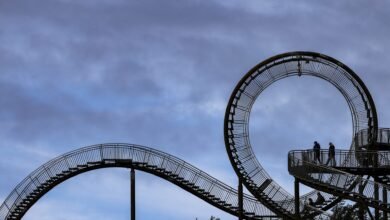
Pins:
x: 141, y: 158
x: 341, y: 183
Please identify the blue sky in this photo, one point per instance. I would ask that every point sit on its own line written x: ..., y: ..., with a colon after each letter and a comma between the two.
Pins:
x: 159, y: 74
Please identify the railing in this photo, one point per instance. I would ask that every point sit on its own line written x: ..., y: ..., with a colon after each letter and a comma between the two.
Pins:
x: 361, y: 138
x: 345, y: 158
x: 384, y: 136
x: 170, y: 167
x: 330, y: 179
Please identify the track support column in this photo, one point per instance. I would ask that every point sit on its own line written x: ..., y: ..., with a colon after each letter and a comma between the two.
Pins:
x: 132, y: 190
x: 240, y: 200
x: 376, y: 197
x: 361, y: 206
x: 296, y: 196
x: 384, y: 196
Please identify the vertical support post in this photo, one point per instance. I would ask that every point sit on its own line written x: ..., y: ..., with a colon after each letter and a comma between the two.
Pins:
x: 296, y: 196
x: 132, y: 189
x: 240, y: 200
x: 376, y: 197
x: 361, y: 206
x: 384, y: 196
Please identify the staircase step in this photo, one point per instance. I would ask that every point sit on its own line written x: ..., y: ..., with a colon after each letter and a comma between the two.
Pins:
x: 264, y: 184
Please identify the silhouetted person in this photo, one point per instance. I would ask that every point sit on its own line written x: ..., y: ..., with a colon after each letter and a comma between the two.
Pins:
x: 317, y: 152
x: 331, y: 155
x: 320, y: 199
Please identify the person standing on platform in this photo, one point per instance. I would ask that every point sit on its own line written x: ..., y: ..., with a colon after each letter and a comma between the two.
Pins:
x: 331, y: 155
x: 317, y: 152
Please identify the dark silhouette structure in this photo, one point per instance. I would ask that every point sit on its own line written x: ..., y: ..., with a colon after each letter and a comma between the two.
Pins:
x: 134, y: 157
x: 360, y: 174
x: 367, y: 143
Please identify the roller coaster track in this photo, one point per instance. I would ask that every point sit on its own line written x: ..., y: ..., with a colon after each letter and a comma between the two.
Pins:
x: 242, y: 157
x: 146, y: 159
x: 369, y: 155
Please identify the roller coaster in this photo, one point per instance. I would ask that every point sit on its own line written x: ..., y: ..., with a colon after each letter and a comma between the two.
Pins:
x: 360, y: 175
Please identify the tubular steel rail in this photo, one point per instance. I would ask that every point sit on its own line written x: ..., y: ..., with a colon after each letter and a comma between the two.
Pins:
x: 142, y: 158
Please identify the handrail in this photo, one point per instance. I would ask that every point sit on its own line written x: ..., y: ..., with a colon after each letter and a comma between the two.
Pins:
x: 347, y: 158
x: 361, y: 138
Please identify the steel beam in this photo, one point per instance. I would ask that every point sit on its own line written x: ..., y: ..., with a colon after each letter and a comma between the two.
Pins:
x: 132, y: 189
x: 384, y: 196
x: 376, y: 197
x: 240, y: 200
x: 296, y: 194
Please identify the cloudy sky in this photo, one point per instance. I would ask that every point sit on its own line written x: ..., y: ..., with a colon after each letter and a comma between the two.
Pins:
x: 159, y: 73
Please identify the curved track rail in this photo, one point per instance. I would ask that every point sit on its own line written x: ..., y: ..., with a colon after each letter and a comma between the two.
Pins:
x: 161, y: 164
